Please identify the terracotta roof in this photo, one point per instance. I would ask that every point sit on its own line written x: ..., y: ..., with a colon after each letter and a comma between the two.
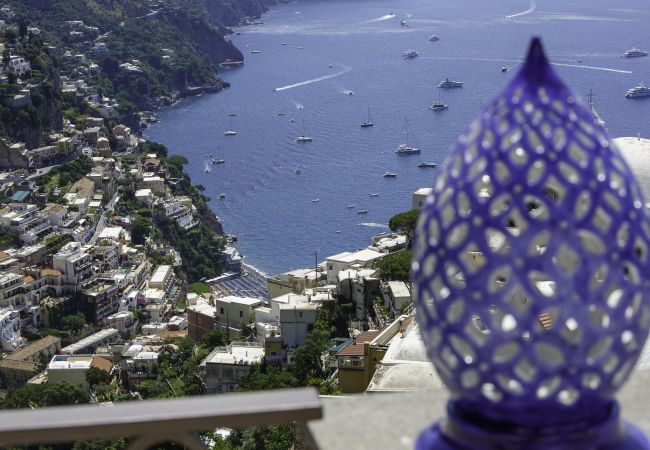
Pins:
x: 50, y: 273
x: 355, y: 347
x: 101, y: 363
x: 27, y: 366
x: 28, y: 279
x: 35, y: 347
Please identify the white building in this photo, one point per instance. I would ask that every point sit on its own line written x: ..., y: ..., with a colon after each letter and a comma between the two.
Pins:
x: 420, y: 196
x: 162, y: 278
x: 225, y: 367
x: 73, y: 368
x: 122, y: 322
x: 10, y: 338
x: 145, y: 196
x: 73, y: 262
x: 296, y: 321
x: 236, y: 312
x: 180, y: 213
x: 18, y: 66
x: 346, y: 260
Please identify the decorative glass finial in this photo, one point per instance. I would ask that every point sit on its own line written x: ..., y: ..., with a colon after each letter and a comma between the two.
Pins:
x: 531, y: 271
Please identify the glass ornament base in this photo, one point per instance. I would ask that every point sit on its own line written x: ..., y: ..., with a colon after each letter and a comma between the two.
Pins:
x: 453, y: 433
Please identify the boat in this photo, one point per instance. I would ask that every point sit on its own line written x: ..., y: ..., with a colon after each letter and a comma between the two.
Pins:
x: 390, y: 175
x: 316, y: 200
x: 638, y: 91
x: 374, y: 194
x: 350, y: 206
x: 284, y: 43
x: 406, y: 149
x: 404, y: 23
x: 298, y: 170
x: 206, y: 170
x: 330, y: 66
x: 410, y: 53
x: 348, y: 92
x: 362, y: 211
x: 222, y: 196
x: 292, y: 120
x: 367, y: 123
x: 427, y: 164
x: 448, y: 84
x: 504, y: 68
x: 434, y: 38
x: 255, y: 51
x: 592, y: 108
x: 282, y: 114
x: 437, y: 105
x: 230, y: 131
x: 634, y: 53
x: 216, y: 161
x: 303, y: 138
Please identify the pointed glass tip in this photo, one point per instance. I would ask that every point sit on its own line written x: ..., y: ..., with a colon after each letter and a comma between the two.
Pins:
x: 536, y: 68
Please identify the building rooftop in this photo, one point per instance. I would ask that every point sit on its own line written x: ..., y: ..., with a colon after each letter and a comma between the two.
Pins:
x: 61, y: 362
x: 247, y: 301
x: 111, y: 233
x: 90, y: 340
x: 365, y: 255
x: 355, y: 347
x: 237, y: 353
x: 160, y: 274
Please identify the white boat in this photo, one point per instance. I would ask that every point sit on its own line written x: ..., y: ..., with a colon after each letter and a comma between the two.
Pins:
x: 298, y: 170
x: 427, y: 164
x: 592, y: 108
x: 634, y: 53
x: 448, y: 84
x: 367, y: 123
x: 303, y: 138
x: 406, y: 149
x: 350, y: 206
x: 316, y: 200
x: 374, y: 194
x: 230, y: 131
x: 390, y: 175
x: 222, y: 196
x: 437, y: 105
x: 410, y: 53
x: 255, y: 51
x: 434, y: 38
x: 362, y: 211
x: 404, y: 23
x: 216, y: 161
x: 638, y: 91
x: 504, y: 68
x: 206, y: 170
x: 348, y: 92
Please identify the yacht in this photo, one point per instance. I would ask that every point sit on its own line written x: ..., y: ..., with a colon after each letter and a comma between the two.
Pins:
x: 438, y: 106
x: 409, y: 54
x: 427, y: 164
x: 367, y: 123
x: 362, y: 211
x: 638, y: 91
x: 230, y: 131
x: 434, y: 38
x: 303, y: 138
x: 406, y: 149
x: 390, y: 175
x: 634, y: 53
x: 216, y: 161
x: 448, y: 84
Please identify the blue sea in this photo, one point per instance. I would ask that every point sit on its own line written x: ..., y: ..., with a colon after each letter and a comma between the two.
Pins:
x: 311, y: 52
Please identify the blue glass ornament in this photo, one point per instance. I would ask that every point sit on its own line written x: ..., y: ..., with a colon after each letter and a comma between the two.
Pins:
x: 531, y: 275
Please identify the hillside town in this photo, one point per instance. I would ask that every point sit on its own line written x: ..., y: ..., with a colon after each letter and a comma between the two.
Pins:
x: 115, y: 276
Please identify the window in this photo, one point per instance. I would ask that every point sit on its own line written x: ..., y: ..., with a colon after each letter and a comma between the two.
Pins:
x: 241, y: 313
x: 220, y: 310
x: 310, y: 326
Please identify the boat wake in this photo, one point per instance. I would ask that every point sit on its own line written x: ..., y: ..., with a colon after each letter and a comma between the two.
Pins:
x: 314, y: 80
x: 373, y: 225
x: 533, y: 6
x: 381, y: 19
x: 579, y: 66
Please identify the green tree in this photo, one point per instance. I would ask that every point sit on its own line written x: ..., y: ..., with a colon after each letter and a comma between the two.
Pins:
x: 262, y: 377
x: 74, y: 322
x: 49, y: 394
x: 95, y: 376
x: 213, y: 338
x: 405, y: 223
x: 396, y: 266
x: 140, y: 229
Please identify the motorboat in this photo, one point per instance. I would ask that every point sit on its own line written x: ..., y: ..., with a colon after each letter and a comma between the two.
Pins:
x: 316, y: 200
x: 504, y: 68
x: 222, y: 196
x: 206, y: 170
x: 350, y: 206
x: 638, y: 91
x: 303, y: 139
x: 374, y: 194
x: 362, y: 211
x: 434, y: 38
x: 216, y: 161
x: 298, y: 171
x: 255, y: 51
x: 390, y: 175
x: 348, y: 92
x: 410, y: 53
x: 634, y: 53
x: 427, y: 164
x: 404, y: 23
x: 438, y: 106
x: 404, y: 149
x: 448, y: 84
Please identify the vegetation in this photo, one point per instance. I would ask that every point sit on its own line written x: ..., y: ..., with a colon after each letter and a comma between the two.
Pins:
x: 9, y: 239
x: 48, y: 394
x: 199, y: 288
x: 396, y: 267
x: 405, y: 223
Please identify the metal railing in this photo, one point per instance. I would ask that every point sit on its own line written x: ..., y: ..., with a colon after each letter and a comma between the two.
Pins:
x: 146, y: 423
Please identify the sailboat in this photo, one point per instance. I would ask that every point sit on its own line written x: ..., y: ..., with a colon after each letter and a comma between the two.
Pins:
x: 367, y: 123
x: 437, y: 105
x: 230, y: 131
x: 592, y: 108
x: 406, y: 149
x: 217, y: 160
x: 303, y: 137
